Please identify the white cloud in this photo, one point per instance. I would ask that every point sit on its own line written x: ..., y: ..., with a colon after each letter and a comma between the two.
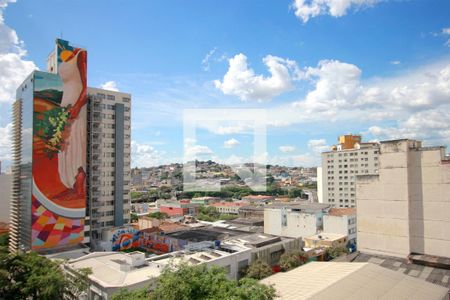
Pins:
x: 241, y: 81
x: 5, y: 142
x: 395, y: 62
x: 145, y: 155
x: 231, y: 143
x: 110, y: 86
x: 13, y: 67
x: 337, y: 84
x: 318, y: 146
x: 286, y: 149
x: 446, y: 32
x: 306, y: 9
x: 431, y: 126
x: 205, y: 61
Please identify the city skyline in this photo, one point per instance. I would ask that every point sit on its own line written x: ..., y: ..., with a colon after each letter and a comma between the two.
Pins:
x: 319, y: 71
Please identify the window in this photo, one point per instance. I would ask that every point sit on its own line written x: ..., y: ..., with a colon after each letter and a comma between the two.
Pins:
x: 126, y: 100
x: 110, y: 97
x: 101, y: 96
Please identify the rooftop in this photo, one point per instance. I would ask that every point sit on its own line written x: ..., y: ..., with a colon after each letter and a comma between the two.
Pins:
x: 342, y: 211
x: 326, y: 236
x: 231, y: 204
x: 430, y: 274
x: 343, y: 280
x: 107, y: 269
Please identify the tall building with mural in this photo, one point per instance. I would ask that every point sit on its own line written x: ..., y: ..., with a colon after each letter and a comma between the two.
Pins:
x: 52, y: 198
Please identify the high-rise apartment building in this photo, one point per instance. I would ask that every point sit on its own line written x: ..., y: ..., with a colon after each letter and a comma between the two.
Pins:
x: 405, y: 209
x: 109, y: 172
x: 340, y: 166
x: 71, y: 152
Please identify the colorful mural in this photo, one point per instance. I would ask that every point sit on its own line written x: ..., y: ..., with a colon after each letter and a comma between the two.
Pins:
x: 125, y: 238
x: 59, y: 150
x: 161, y: 243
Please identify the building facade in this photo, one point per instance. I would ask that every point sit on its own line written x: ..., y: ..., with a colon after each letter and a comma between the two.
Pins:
x: 109, y: 164
x: 294, y: 221
x: 66, y: 174
x: 341, y: 221
x: 405, y: 208
x: 341, y: 165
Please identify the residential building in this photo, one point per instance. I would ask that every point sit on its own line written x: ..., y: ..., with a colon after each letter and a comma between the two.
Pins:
x: 325, y: 240
x: 205, y: 200
x: 251, y: 212
x: 341, y: 221
x: 258, y: 199
x: 228, y: 207
x: 294, y: 220
x: 404, y: 209
x: 109, y: 159
x: 179, y: 208
x: 345, y: 280
x: 71, y: 157
x: 340, y: 166
x: 5, y: 196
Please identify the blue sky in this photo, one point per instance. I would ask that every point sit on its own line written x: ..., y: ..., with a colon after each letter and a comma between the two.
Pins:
x: 380, y: 68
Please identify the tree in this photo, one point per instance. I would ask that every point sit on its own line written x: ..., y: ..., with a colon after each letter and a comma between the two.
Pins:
x: 133, y: 217
x: 292, y: 259
x: 258, y: 270
x: 295, y: 192
x: 158, y: 215
x: 31, y: 276
x: 200, y: 282
x: 334, y: 252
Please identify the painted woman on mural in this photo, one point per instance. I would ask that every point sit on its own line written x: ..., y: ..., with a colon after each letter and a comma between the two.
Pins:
x: 72, y: 157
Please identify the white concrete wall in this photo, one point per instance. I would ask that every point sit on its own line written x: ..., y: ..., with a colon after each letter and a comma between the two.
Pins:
x: 340, y: 225
x: 406, y: 209
x: 297, y: 225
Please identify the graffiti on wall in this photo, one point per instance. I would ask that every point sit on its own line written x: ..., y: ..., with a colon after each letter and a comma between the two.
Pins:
x: 59, y: 150
x: 161, y: 243
x: 125, y: 238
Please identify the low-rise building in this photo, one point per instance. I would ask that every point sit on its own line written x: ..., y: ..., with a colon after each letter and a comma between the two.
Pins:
x: 341, y: 221
x: 258, y: 199
x: 5, y: 196
x: 294, y: 220
x: 205, y: 200
x: 325, y: 240
x: 251, y: 211
x: 179, y: 208
x: 228, y: 207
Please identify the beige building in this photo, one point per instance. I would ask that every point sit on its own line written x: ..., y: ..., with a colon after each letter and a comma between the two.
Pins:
x: 294, y: 220
x: 109, y: 125
x: 341, y: 165
x: 341, y: 221
x: 406, y: 207
x: 325, y: 239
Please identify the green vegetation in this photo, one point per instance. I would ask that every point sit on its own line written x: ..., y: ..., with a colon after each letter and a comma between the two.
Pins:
x: 242, y: 191
x: 133, y: 217
x: 334, y: 252
x: 258, y: 270
x: 158, y: 215
x: 292, y: 259
x: 210, y: 214
x: 31, y: 276
x: 200, y: 282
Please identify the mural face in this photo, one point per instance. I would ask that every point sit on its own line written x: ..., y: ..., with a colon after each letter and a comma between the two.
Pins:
x: 59, y: 151
x: 125, y: 238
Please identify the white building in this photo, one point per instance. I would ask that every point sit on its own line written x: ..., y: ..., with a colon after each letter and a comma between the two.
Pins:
x: 294, y: 220
x: 341, y: 221
x: 109, y: 125
x: 112, y: 271
x: 341, y: 165
x: 406, y: 208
